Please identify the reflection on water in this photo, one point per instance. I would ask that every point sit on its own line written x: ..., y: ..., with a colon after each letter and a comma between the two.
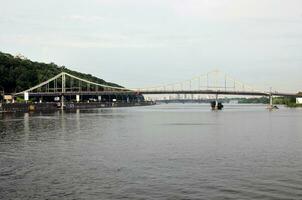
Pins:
x: 173, y: 151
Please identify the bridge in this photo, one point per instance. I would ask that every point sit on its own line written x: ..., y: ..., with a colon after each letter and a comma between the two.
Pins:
x: 212, y: 83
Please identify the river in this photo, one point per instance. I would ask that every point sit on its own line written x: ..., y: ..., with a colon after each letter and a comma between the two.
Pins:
x: 168, y: 151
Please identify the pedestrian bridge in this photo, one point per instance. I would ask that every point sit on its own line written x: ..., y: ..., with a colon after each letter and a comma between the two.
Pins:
x: 211, y: 83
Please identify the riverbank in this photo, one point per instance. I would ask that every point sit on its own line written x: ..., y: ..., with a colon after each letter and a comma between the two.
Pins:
x: 50, y: 106
x: 295, y: 105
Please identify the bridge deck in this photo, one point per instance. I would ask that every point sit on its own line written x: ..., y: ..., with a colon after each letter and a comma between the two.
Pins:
x: 130, y: 92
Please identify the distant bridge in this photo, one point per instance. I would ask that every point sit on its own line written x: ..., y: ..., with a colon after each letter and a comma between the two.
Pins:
x: 212, y: 83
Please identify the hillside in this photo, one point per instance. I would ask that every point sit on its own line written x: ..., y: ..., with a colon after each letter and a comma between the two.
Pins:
x: 18, y: 74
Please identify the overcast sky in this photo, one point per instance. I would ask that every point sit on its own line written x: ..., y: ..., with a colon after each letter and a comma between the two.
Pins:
x: 137, y: 43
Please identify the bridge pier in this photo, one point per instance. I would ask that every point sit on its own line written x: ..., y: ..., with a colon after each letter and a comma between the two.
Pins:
x: 271, y: 105
x: 271, y: 101
x: 62, y: 102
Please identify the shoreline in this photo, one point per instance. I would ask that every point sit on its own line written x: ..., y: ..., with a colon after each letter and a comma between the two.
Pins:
x: 294, y: 105
x: 53, y: 106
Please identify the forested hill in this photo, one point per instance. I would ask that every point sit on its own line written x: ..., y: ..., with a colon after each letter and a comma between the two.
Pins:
x: 18, y: 73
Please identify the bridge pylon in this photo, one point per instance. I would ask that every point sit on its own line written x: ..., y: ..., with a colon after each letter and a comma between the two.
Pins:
x: 271, y: 105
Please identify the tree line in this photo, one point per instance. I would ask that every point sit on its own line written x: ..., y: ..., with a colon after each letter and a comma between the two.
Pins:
x: 18, y: 73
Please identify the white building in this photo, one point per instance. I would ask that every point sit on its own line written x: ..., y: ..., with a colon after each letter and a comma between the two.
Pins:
x: 299, y: 100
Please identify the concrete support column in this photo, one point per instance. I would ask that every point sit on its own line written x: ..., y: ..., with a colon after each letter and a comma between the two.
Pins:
x: 62, y: 102
x: 270, y: 106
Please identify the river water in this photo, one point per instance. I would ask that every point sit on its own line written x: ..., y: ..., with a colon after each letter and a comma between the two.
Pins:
x: 172, y: 151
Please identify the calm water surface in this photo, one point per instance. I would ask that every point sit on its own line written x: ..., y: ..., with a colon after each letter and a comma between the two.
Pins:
x: 174, y: 151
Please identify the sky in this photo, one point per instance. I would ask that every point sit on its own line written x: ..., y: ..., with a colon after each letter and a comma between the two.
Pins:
x: 140, y: 43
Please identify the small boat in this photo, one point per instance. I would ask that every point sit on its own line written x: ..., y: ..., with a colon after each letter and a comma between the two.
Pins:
x: 213, y: 105
x: 218, y: 107
x: 273, y: 107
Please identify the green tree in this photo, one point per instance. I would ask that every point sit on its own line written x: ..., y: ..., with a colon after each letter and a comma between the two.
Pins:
x: 18, y: 74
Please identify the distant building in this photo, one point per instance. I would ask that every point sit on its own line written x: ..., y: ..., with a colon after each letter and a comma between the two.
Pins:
x: 20, y: 56
x: 234, y: 101
x: 299, y: 100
